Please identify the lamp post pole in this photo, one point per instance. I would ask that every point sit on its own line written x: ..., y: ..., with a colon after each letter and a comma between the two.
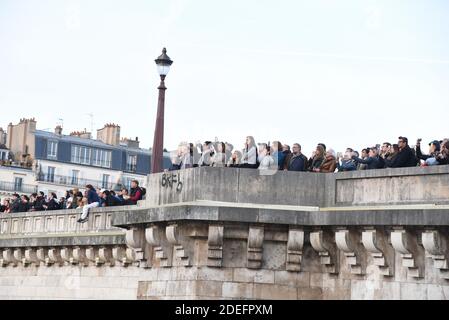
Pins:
x: 163, y: 62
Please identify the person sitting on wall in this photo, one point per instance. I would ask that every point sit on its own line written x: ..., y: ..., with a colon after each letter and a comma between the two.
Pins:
x: 136, y: 192
x: 124, y: 197
x: 109, y: 200
x: 100, y: 196
x: 93, y: 201
x: 113, y: 194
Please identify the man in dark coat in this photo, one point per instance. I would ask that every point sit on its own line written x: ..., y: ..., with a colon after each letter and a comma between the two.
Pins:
x: 109, y: 199
x: 405, y: 157
x: 15, y: 203
x: 372, y: 161
x: 52, y: 203
x: 297, y: 161
x: 36, y: 202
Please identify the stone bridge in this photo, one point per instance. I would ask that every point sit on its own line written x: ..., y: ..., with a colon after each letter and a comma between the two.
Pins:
x: 225, y: 233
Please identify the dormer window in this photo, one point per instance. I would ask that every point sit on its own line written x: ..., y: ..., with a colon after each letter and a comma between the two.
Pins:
x: 52, y: 149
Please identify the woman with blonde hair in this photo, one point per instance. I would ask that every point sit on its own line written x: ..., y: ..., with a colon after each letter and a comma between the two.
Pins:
x: 249, y: 154
x: 234, y: 160
x: 219, y: 157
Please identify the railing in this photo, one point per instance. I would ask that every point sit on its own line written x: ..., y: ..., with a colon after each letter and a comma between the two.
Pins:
x: 131, y: 167
x: 75, y: 182
x: 15, y: 187
x: 21, y: 165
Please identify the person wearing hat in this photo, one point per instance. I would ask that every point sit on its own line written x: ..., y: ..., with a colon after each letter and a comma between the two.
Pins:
x: 431, y: 158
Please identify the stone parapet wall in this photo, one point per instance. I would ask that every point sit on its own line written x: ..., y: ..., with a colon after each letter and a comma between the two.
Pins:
x: 366, y: 187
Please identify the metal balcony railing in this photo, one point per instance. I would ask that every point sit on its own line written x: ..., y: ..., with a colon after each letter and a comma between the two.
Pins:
x: 131, y: 167
x: 15, y: 187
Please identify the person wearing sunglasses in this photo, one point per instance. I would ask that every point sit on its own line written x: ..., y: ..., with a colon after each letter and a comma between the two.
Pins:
x: 405, y: 156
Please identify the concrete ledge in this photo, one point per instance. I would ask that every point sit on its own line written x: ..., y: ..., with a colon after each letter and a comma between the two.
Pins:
x: 395, y: 216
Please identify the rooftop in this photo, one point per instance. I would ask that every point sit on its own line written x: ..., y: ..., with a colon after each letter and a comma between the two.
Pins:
x: 91, y: 142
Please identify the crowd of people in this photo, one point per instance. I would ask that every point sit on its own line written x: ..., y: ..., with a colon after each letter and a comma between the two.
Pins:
x: 73, y: 199
x: 262, y: 156
x: 278, y: 156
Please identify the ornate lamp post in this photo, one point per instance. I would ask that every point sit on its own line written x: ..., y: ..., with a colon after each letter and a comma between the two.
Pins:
x: 163, y: 63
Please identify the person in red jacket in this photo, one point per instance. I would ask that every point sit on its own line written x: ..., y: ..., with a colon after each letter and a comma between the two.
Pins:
x: 136, y: 192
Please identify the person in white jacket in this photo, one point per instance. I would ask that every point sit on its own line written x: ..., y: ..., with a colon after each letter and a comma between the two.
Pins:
x: 266, y: 160
x: 249, y: 154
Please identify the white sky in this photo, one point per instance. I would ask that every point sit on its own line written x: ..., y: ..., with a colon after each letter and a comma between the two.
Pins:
x: 346, y: 73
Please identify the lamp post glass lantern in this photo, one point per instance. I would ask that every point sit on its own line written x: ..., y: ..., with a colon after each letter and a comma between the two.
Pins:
x: 163, y: 63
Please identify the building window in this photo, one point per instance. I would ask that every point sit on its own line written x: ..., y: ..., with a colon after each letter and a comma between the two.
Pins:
x: 101, y: 158
x: 51, y: 174
x: 131, y: 162
x: 81, y: 154
x: 90, y: 156
x: 127, y: 183
x: 105, y: 181
x: 18, y: 184
x: 3, y: 155
x: 52, y: 149
x: 75, y: 176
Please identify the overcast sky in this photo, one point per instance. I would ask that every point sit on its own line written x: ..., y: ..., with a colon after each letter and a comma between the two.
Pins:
x: 346, y: 73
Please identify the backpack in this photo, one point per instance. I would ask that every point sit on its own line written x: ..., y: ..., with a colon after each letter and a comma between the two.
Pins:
x: 143, y: 191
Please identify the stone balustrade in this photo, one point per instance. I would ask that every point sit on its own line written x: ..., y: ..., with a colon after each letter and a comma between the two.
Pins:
x: 55, y: 238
